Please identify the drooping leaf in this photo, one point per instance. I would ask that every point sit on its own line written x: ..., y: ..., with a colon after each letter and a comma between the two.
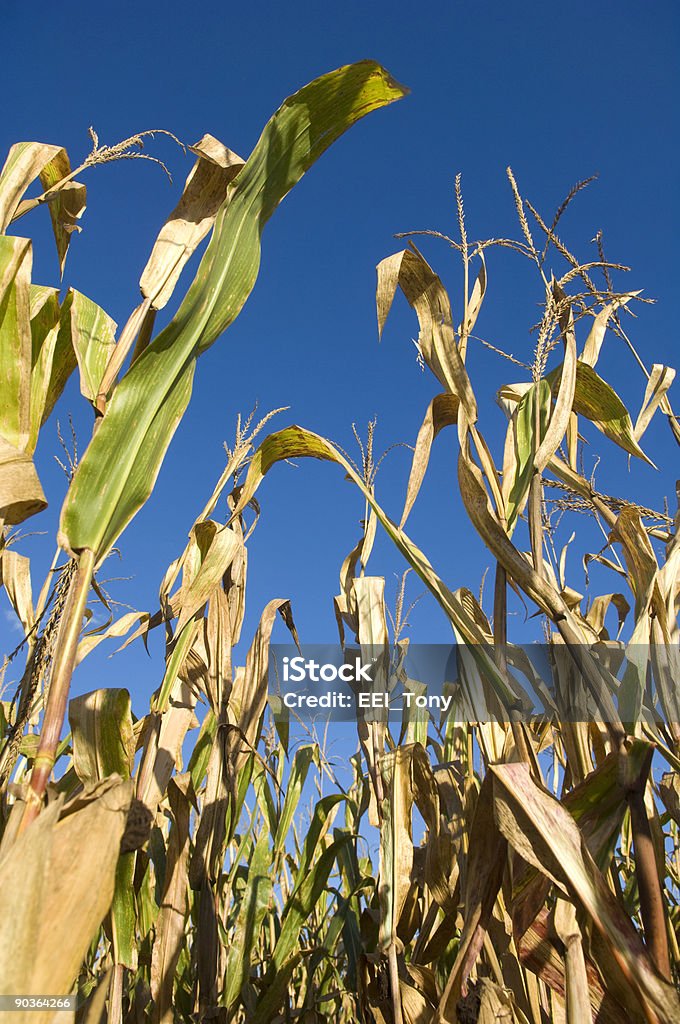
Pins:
x: 66, y: 206
x: 175, y: 722
x: 63, y: 359
x: 474, y: 306
x: 120, y: 627
x: 441, y: 412
x: 660, y: 380
x: 249, y: 692
x: 93, y: 338
x: 591, y: 349
x: 598, y: 610
x: 45, y: 325
x: 204, y: 193
x: 669, y: 789
x: 21, y: 494
x: 426, y: 294
x: 15, y: 576
x: 218, y: 546
x: 296, y: 442
x: 56, y: 885
x: 599, y: 403
x: 485, y: 868
x: 25, y: 161
x: 104, y: 745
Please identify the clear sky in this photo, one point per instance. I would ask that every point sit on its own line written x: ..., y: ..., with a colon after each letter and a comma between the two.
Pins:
x: 557, y: 91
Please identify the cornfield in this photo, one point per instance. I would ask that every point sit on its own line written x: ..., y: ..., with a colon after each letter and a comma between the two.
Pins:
x: 206, y: 860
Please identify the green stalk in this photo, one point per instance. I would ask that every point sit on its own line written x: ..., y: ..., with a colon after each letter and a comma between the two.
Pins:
x: 536, y: 497
x: 62, y: 670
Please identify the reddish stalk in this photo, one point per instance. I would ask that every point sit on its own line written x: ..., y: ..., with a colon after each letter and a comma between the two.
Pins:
x: 652, y: 908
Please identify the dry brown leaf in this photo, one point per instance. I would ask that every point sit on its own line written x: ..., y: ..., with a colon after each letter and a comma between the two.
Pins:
x: 591, y: 349
x: 15, y: 575
x: 660, y: 380
x: 441, y: 412
x: 56, y: 885
x: 426, y: 294
x: 204, y: 192
x: 25, y: 161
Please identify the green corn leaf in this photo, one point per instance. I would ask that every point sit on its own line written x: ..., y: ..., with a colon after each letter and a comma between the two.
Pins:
x: 254, y: 904
x: 45, y: 320
x: 20, y: 491
x: 124, y: 913
x: 322, y: 819
x: 119, y: 469
x: 303, y: 900
x: 525, y: 445
x: 265, y: 800
x: 103, y: 740
x: 304, y: 757
x: 598, y: 402
x: 93, y: 337
x: 200, y: 755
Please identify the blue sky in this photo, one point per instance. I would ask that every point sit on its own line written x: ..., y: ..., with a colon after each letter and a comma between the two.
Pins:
x: 559, y: 93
